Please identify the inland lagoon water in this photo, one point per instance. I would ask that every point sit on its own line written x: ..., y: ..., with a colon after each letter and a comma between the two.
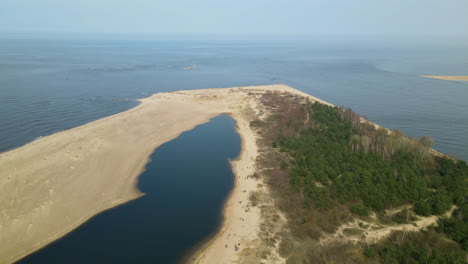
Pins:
x: 185, y: 185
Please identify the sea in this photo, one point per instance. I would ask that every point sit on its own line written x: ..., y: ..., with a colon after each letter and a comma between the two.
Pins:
x: 50, y: 83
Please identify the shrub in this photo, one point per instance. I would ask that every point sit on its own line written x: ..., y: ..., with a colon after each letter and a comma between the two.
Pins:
x: 360, y: 209
x: 422, y: 208
x: 257, y: 123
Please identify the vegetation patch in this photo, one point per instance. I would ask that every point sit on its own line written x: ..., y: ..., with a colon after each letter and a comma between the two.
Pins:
x: 328, y: 166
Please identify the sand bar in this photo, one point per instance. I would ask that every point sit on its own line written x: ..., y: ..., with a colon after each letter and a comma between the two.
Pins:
x: 448, y: 77
x: 52, y: 185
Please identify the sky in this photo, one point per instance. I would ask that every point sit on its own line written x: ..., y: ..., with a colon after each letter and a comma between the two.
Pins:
x: 238, y: 17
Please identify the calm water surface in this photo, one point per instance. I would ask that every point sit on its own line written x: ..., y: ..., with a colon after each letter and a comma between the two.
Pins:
x: 50, y: 85
x: 185, y: 186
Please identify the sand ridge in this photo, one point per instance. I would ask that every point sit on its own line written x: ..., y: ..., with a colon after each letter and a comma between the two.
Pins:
x: 52, y: 185
x: 447, y: 77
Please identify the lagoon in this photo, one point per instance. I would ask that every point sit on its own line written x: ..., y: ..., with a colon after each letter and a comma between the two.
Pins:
x: 185, y: 185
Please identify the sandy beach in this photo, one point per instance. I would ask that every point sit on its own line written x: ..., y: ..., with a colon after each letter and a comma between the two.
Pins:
x: 52, y: 185
x: 447, y: 77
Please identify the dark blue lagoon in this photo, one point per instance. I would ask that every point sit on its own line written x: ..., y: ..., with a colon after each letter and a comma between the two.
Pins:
x: 185, y: 187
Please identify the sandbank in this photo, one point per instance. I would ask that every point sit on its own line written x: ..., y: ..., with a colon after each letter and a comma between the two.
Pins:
x: 447, y: 77
x: 54, y: 184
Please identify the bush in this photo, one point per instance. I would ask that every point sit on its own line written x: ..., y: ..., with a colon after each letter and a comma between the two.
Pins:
x: 257, y: 123
x: 422, y: 208
x: 360, y: 209
x: 456, y: 227
x: 402, y: 217
x: 422, y: 247
x: 283, y: 165
x: 440, y: 202
x: 370, y: 252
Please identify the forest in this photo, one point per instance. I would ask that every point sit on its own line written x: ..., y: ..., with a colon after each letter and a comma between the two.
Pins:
x: 328, y: 166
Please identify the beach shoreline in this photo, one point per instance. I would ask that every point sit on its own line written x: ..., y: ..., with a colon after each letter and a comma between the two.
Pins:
x: 55, y: 204
x: 58, y: 182
x: 220, y: 248
x: 54, y: 184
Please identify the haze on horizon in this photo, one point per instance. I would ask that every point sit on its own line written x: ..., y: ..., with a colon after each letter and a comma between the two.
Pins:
x: 245, y: 17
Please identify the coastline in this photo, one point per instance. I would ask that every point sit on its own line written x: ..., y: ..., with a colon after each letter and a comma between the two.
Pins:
x: 58, y: 182
x: 221, y: 246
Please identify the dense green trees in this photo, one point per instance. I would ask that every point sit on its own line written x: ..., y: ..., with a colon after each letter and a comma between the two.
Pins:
x: 456, y: 227
x: 337, y: 165
x: 360, y: 209
x: 351, y: 164
x: 422, y: 247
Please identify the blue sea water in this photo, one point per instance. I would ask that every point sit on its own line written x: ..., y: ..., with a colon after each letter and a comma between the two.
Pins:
x: 48, y: 85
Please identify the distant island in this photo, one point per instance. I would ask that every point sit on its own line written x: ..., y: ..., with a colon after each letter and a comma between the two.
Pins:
x: 314, y: 182
x: 447, y: 77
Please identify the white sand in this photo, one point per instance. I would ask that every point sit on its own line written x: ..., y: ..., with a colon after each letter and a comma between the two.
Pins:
x: 54, y: 184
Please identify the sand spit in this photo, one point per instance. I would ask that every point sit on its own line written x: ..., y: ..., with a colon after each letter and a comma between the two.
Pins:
x: 447, y: 77
x: 54, y: 184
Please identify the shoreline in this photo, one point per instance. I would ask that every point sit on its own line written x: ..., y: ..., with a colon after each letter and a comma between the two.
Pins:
x: 211, y: 250
x: 95, y: 167
x: 203, y: 245
x: 125, y: 192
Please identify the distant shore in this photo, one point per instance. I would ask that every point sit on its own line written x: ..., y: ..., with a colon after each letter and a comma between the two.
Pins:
x: 54, y: 184
x: 447, y: 77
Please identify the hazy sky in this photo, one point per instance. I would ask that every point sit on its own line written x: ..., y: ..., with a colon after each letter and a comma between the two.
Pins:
x: 303, y: 17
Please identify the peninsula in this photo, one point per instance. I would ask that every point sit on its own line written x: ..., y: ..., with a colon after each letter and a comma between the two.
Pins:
x: 313, y: 182
x: 52, y: 185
